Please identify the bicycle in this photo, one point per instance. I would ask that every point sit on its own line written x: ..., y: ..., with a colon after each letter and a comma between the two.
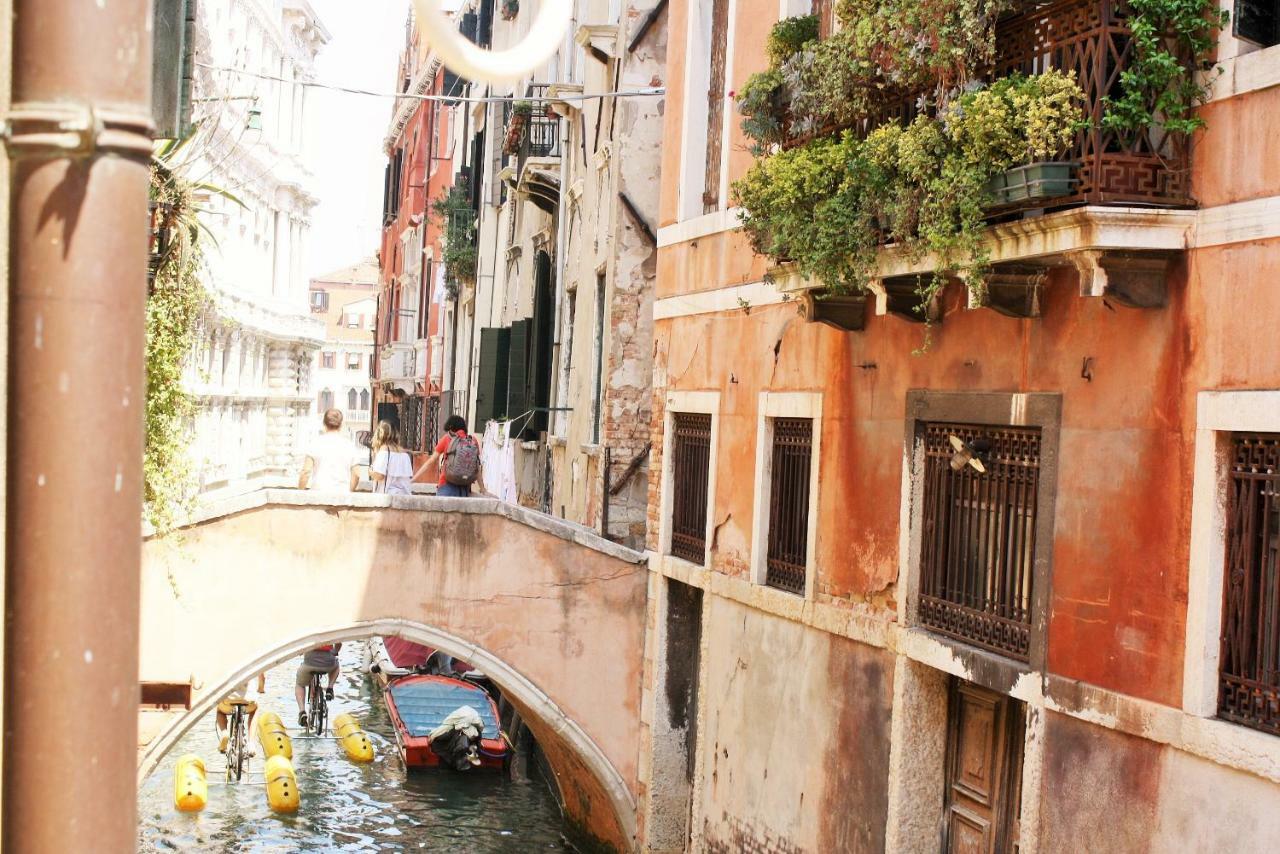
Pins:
x: 317, y: 706
x: 238, y: 737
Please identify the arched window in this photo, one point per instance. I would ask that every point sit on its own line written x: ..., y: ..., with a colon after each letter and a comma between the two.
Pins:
x: 326, y: 400
x: 351, y: 398
x: 364, y: 400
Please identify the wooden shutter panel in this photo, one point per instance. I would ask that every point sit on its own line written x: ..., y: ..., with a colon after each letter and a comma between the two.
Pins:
x: 715, y: 103
x: 495, y: 143
x: 491, y: 384
x: 518, y: 373
x: 543, y: 341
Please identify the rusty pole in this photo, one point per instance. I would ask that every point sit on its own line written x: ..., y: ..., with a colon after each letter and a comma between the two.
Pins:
x: 78, y: 137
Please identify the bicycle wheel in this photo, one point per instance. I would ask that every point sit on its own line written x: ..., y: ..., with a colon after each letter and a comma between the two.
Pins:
x: 235, y: 750
x: 318, y: 711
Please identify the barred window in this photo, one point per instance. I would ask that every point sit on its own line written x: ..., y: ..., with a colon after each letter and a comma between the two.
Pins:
x: 978, y: 545
x: 1249, y: 663
x: 792, y: 455
x: 690, y: 470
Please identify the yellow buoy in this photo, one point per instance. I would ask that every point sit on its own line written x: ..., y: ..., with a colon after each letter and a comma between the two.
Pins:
x: 273, y: 737
x: 354, y: 740
x: 190, y: 786
x: 282, y: 785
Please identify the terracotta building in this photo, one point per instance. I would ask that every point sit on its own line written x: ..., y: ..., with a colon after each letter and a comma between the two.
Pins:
x: 856, y: 645
x: 419, y: 172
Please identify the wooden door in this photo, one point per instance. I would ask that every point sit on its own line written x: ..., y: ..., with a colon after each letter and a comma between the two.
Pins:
x: 985, y: 732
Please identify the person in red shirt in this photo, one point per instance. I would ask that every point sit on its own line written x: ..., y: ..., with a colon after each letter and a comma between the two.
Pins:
x: 454, y: 428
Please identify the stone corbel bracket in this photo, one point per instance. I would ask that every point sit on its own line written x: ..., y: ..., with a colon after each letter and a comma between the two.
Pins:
x: 1137, y: 279
x: 600, y: 41
x: 846, y: 312
x: 900, y: 296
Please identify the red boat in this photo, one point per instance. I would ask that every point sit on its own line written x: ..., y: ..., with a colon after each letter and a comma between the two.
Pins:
x: 419, y: 705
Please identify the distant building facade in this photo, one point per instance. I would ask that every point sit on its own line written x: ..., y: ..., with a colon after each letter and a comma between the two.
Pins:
x: 251, y: 367
x: 550, y: 336
x: 347, y: 301
x: 408, y: 369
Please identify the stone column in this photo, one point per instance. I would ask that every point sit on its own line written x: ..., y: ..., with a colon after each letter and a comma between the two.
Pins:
x: 280, y: 249
x: 282, y: 388
x: 297, y: 287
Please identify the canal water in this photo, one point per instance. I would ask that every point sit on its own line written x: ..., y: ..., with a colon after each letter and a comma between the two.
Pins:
x: 345, y: 806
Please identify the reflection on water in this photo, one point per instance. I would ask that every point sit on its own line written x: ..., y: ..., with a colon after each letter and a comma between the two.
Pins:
x: 346, y: 807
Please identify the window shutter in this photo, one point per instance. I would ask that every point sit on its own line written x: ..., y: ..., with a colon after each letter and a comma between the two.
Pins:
x: 491, y: 384
x: 495, y: 121
x: 542, y: 332
x: 518, y: 373
x: 484, y: 31
x: 1257, y: 21
x: 468, y: 28
x: 715, y: 103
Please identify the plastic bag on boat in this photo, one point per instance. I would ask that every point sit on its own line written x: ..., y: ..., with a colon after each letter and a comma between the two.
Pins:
x: 457, y: 740
x: 463, y: 718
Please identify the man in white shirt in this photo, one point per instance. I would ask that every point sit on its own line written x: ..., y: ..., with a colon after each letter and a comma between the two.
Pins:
x: 332, y: 459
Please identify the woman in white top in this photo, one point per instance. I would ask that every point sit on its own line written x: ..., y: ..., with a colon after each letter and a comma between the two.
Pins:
x: 392, y: 468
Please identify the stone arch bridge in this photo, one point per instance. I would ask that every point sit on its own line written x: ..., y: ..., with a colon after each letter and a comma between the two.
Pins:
x: 554, y: 613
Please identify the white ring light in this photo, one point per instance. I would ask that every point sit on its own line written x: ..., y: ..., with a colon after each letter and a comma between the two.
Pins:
x: 474, y: 63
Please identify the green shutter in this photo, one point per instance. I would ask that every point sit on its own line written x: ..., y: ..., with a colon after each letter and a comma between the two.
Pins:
x: 518, y: 373
x: 172, y: 49
x: 491, y: 385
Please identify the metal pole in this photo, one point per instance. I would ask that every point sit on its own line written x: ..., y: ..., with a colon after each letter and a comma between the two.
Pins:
x: 79, y: 139
x: 604, y: 492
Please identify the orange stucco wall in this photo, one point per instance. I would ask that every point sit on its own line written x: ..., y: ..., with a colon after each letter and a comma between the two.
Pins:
x: 1120, y: 551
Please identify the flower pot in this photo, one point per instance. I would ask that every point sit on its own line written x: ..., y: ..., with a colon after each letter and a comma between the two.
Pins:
x: 1034, y: 181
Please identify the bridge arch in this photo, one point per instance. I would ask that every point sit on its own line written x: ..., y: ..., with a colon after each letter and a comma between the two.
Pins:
x: 555, y: 731
x: 554, y: 614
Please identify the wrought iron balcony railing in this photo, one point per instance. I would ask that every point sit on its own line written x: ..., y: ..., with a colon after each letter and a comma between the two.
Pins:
x: 1091, y: 38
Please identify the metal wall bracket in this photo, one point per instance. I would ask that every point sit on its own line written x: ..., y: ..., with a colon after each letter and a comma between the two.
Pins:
x: 75, y: 131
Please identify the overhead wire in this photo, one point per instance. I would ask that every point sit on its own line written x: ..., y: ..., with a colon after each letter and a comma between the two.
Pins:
x: 648, y: 92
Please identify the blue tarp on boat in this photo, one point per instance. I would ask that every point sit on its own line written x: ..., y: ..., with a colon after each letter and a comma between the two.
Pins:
x: 422, y: 705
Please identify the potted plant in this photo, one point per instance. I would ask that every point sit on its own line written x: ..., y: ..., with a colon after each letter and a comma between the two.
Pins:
x: 1019, y: 126
x: 510, y: 8
x: 520, y: 113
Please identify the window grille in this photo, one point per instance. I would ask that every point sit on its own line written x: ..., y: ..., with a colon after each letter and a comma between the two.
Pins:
x: 690, y: 470
x: 978, y: 545
x: 1249, y: 662
x: 788, y: 554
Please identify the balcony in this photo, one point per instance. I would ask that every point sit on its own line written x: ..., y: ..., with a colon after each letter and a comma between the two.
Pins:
x: 533, y: 138
x: 399, y: 362
x: 1120, y: 219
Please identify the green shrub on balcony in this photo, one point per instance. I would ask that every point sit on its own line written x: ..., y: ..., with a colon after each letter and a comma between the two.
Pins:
x: 458, y: 220
x: 829, y: 204
x: 826, y: 198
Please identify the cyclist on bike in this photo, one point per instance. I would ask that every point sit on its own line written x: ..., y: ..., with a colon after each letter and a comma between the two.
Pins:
x: 223, y: 721
x: 322, y: 659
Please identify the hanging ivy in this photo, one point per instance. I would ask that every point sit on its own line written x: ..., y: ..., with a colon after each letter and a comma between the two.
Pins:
x: 177, y: 302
